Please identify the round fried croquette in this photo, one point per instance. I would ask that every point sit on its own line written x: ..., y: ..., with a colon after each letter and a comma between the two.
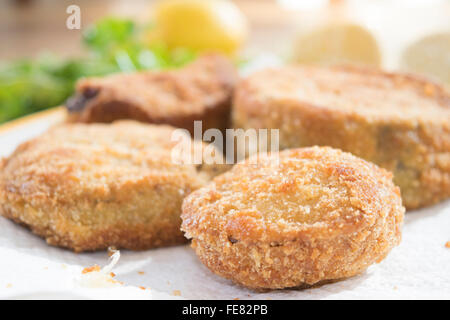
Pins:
x: 88, y: 187
x: 201, y: 90
x: 400, y: 122
x: 296, y: 218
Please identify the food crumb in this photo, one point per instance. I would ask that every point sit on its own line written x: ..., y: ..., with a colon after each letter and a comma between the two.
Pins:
x: 141, y: 287
x: 9, y: 285
x: 236, y: 299
x: 111, y: 251
x: 176, y: 292
x: 64, y: 266
x: 141, y: 273
x: 97, y: 277
x: 429, y: 90
x: 395, y: 288
x: 447, y: 244
x: 91, y: 269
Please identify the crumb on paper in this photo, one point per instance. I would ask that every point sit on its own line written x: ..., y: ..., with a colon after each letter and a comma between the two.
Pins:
x: 96, y: 277
x: 235, y: 298
x: 45, y: 268
x: 395, y: 288
x: 111, y: 251
x: 447, y: 244
x: 64, y: 266
x: 143, y: 288
x: 141, y: 273
x: 429, y: 90
x: 176, y: 292
x: 94, y: 268
x: 9, y: 285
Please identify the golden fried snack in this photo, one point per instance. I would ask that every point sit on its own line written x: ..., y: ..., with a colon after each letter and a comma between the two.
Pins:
x: 400, y: 122
x: 317, y: 214
x: 200, y: 91
x: 88, y: 187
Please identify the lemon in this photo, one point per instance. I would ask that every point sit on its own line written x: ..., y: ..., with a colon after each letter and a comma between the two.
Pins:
x: 429, y: 56
x: 337, y: 43
x: 201, y: 25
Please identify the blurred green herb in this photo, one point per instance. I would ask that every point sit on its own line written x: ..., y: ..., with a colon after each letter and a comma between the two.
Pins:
x: 113, y: 45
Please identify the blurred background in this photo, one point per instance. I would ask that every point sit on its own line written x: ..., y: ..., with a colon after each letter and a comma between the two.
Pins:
x: 41, y: 58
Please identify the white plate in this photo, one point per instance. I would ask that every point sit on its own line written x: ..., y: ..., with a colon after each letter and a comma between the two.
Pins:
x: 29, y: 268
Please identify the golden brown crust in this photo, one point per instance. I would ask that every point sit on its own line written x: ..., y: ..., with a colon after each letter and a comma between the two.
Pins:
x: 318, y: 214
x: 87, y: 187
x: 400, y: 122
x: 200, y: 91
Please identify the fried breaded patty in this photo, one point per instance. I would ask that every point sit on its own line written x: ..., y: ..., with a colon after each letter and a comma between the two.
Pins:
x: 199, y: 91
x: 88, y: 187
x: 313, y: 215
x: 400, y: 122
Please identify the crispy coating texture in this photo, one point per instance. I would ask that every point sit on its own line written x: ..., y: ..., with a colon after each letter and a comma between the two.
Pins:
x: 88, y: 187
x: 316, y: 215
x: 200, y: 91
x: 400, y: 122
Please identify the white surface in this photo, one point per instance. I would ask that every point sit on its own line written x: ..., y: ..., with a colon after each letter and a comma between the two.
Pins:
x: 29, y: 268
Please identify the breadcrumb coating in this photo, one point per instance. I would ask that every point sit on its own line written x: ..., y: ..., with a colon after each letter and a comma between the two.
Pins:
x: 400, y: 122
x: 89, y: 187
x: 295, y: 218
x: 199, y: 91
